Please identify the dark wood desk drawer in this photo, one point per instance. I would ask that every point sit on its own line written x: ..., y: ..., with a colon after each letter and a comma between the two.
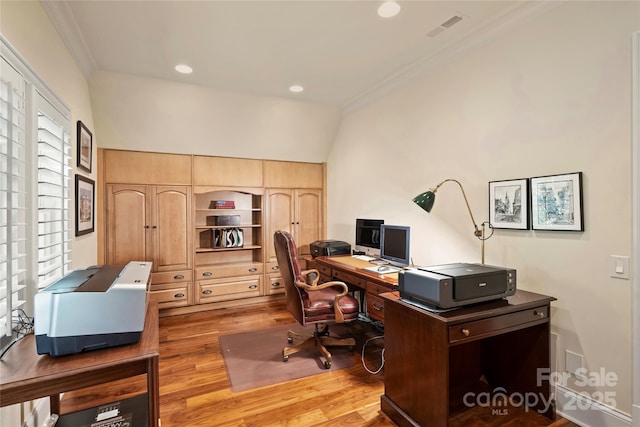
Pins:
x: 349, y: 278
x: 324, y: 270
x: 375, y: 307
x: 496, y: 325
x: 377, y: 288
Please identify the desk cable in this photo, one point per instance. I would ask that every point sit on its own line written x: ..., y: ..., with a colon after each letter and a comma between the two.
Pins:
x: 23, y: 327
x: 381, y: 357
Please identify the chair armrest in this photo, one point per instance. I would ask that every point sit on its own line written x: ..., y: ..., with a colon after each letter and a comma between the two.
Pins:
x: 336, y: 305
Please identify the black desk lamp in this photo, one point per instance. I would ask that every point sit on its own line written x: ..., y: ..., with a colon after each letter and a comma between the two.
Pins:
x: 426, y: 200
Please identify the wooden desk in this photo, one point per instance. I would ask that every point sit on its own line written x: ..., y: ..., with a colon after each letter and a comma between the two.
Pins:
x: 25, y: 375
x: 351, y: 271
x: 437, y: 364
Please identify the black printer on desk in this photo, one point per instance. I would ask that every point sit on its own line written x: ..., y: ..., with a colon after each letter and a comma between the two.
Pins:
x: 329, y: 248
x: 455, y: 285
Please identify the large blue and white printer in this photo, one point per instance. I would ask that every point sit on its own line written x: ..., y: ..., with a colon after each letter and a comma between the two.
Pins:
x: 98, y: 307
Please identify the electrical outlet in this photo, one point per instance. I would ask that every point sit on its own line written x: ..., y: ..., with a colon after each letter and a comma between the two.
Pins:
x: 572, y: 363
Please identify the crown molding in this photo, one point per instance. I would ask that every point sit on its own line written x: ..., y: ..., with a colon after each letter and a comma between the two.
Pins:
x: 65, y: 24
x: 491, y: 30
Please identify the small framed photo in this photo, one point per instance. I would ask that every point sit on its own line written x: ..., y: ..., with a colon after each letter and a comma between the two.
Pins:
x: 85, y: 211
x: 509, y: 204
x: 556, y: 202
x: 85, y: 146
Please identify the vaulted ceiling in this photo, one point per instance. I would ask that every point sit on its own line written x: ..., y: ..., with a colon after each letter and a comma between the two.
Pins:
x: 341, y: 52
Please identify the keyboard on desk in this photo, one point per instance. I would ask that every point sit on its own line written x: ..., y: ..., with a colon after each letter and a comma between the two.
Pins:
x: 364, y: 257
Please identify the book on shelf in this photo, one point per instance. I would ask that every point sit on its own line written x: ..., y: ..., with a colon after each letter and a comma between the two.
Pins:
x: 222, y: 204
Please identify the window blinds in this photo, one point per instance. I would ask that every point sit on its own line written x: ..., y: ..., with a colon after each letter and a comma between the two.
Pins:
x: 35, y: 169
x: 13, y: 195
x: 54, y: 164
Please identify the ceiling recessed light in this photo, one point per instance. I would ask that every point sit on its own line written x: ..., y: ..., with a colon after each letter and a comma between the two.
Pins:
x: 388, y: 9
x: 184, y: 69
x: 296, y: 88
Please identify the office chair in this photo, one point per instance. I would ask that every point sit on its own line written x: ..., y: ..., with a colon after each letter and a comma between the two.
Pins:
x: 312, y: 303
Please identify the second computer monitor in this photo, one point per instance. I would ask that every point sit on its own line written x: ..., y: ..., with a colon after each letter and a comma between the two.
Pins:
x: 394, y: 244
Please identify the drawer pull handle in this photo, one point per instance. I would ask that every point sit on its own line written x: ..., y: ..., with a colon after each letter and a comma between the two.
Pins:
x: 540, y: 314
x: 178, y: 276
x: 465, y: 332
x: 253, y: 286
x: 207, y: 292
x: 180, y: 295
x: 377, y: 306
x: 275, y: 267
x: 253, y: 269
x: 275, y: 284
x: 207, y: 273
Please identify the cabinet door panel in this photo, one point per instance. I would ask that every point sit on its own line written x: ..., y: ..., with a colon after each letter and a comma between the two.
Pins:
x: 127, y: 219
x: 280, y: 216
x: 171, y: 228
x: 308, y: 219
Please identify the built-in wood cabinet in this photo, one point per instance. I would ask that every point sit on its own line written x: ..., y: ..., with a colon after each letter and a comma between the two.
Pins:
x: 147, y: 223
x: 161, y: 207
x: 152, y: 223
x: 229, y: 253
x: 298, y: 211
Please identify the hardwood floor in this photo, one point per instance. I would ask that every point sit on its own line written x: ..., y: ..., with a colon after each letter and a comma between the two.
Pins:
x: 195, y: 392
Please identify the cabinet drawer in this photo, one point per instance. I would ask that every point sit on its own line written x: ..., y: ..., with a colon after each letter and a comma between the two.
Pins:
x: 171, y: 277
x: 214, y: 272
x: 275, y: 285
x: 324, y: 270
x: 225, y: 289
x: 272, y: 267
x: 375, y: 307
x: 170, y: 295
x: 349, y: 278
x: 494, y: 325
x: 377, y: 288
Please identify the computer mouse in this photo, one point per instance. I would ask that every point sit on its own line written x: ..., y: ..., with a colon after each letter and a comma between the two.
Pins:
x: 383, y: 268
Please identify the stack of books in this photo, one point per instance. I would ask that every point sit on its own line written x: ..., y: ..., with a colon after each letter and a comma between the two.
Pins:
x: 222, y: 204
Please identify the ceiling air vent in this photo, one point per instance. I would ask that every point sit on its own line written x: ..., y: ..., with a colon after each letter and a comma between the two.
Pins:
x: 445, y: 25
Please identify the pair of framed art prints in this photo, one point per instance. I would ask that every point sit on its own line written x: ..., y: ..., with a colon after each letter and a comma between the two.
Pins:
x: 552, y: 202
x: 85, y: 187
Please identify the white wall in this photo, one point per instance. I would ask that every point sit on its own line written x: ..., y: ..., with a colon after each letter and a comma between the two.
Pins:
x: 28, y: 29
x: 552, y: 97
x: 157, y: 115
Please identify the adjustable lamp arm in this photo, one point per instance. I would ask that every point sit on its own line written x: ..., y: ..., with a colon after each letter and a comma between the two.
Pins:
x: 476, y: 231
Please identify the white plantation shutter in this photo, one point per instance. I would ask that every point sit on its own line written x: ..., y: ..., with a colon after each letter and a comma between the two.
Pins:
x: 54, y: 164
x: 35, y: 169
x: 13, y: 195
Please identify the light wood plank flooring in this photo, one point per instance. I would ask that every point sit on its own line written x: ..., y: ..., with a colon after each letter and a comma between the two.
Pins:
x: 194, y: 390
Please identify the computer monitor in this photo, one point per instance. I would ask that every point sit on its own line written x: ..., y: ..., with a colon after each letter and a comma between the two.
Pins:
x: 394, y: 244
x: 368, y: 235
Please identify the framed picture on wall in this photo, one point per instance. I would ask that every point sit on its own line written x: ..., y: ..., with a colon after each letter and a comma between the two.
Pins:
x: 85, y: 208
x: 85, y: 147
x: 509, y: 204
x: 556, y: 202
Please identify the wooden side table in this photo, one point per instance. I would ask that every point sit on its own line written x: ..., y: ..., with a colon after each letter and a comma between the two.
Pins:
x: 25, y: 375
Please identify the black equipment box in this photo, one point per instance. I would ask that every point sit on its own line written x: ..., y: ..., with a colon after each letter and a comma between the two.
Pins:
x: 455, y: 285
x: 329, y: 248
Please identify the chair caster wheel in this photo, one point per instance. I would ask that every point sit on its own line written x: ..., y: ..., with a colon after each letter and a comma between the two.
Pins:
x: 285, y: 358
x: 289, y: 340
x: 327, y: 364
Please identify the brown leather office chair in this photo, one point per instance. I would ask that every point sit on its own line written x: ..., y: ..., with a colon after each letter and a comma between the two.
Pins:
x: 312, y: 303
